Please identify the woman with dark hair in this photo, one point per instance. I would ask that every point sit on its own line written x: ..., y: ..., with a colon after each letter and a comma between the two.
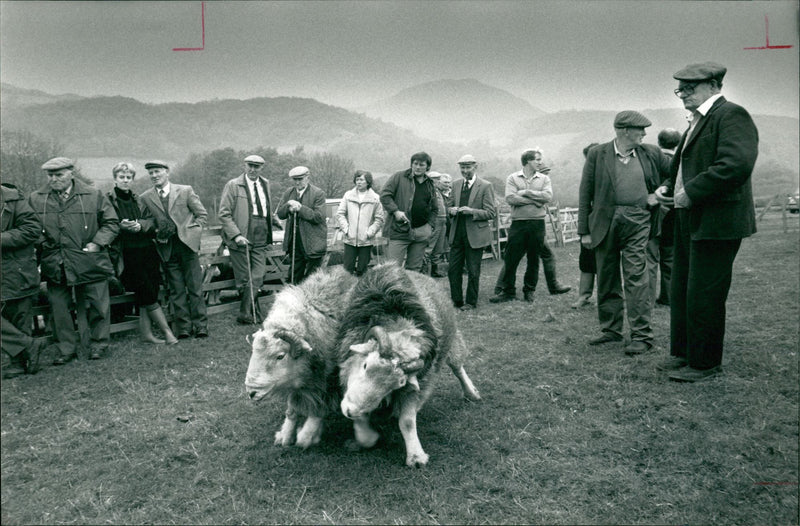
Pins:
x: 360, y: 217
x: 135, y: 258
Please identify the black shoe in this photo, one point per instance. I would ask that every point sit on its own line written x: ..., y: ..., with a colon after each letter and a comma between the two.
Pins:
x: 690, y: 374
x: 606, y: 337
x: 673, y: 363
x: 245, y: 321
x: 95, y: 355
x: 201, y: 333
x: 637, y: 347
x: 61, y: 360
x: 502, y: 298
x: 184, y: 335
x: 560, y: 289
x: 528, y: 296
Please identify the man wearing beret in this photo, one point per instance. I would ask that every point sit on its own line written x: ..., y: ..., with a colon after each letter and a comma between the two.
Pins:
x: 20, y: 277
x: 78, y: 225
x: 710, y: 188
x: 176, y: 215
x: 471, y: 212
x: 306, y: 238
x: 617, y: 205
x: 245, y: 212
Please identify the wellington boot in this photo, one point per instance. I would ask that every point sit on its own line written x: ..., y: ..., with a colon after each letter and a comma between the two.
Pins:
x: 146, y: 328
x: 157, y: 315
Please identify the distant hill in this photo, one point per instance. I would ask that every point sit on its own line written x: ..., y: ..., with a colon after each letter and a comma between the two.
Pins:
x: 455, y: 110
x: 18, y: 97
x: 125, y: 127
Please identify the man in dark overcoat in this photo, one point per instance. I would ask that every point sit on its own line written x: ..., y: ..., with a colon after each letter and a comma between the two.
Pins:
x: 710, y: 187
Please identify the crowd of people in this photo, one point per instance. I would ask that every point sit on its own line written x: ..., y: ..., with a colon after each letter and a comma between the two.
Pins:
x: 681, y: 207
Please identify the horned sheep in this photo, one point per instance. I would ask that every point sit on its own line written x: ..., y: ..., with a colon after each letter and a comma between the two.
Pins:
x: 396, y: 333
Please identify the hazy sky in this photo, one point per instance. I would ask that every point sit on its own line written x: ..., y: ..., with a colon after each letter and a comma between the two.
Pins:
x: 557, y: 55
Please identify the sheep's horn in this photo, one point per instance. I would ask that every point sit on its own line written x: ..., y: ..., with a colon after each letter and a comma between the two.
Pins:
x: 378, y: 333
x: 298, y: 344
x: 413, y: 366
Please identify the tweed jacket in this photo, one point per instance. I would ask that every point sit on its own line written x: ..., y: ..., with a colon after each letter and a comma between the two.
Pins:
x: 68, y: 226
x: 597, y: 198
x: 311, y: 223
x: 236, y: 209
x: 717, y: 163
x: 185, y: 210
x: 20, y: 230
x: 481, y: 198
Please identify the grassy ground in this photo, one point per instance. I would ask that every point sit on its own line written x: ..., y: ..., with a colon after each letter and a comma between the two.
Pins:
x: 566, y: 433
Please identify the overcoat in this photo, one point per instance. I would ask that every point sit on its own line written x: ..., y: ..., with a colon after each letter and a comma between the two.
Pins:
x: 235, y: 209
x: 20, y: 230
x: 68, y: 226
x: 718, y: 161
x: 360, y: 220
x: 312, y: 222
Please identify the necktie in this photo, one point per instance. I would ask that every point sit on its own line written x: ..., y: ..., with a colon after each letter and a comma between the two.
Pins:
x: 63, y: 196
x: 259, y: 206
x: 162, y: 193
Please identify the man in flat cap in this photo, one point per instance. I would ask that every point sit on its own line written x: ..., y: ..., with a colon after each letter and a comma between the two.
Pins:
x: 409, y: 199
x: 471, y: 213
x: 528, y: 191
x: 245, y: 212
x: 710, y: 187
x: 20, y: 283
x: 78, y: 225
x: 616, y: 207
x: 306, y: 237
x: 177, y: 217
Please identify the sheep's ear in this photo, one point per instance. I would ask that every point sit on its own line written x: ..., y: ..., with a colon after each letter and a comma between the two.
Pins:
x: 413, y: 382
x: 361, y: 348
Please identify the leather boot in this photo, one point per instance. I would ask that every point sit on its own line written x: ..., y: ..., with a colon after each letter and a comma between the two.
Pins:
x: 585, y: 289
x: 553, y: 286
x: 157, y: 315
x: 146, y: 328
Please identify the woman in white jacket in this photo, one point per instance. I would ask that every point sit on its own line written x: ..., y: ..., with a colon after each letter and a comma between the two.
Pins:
x: 360, y: 217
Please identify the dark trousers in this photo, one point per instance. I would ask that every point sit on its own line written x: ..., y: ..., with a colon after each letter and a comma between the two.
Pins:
x: 701, y: 279
x: 622, y: 265
x: 460, y: 253
x: 257, y: 268
x: 185, y: 278
x: 356, y: 259
x: 17, y: 323
x: 300, y: 265
x: 525, y: 238
x: 93, y: 313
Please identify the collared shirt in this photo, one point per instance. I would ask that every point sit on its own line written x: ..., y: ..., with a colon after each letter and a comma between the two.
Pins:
x: 64, y: 194
x: 624, y: 157
x: 471, y: 181
x: 699, y: 113
x: 163, y: 191
x: 262, y: 195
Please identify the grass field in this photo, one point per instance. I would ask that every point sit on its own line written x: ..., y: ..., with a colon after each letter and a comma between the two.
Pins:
x: 566, y: 433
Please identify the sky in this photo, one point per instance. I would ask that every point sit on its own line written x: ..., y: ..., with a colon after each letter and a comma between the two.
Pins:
x: 557, y: 55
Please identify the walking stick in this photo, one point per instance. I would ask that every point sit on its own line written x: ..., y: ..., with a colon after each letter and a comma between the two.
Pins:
x: 294, y: 240
x: 250, y: 283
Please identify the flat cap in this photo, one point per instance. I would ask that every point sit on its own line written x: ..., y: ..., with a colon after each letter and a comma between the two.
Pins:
x: 155, y: 164
x: 299, y: 171
x: 254, y: 159
x: 701, y: 72
x: 467, y: 159
x: 446, y: 178
x: 631, y: 119
x: 58, y: 163
x: 434, y: 175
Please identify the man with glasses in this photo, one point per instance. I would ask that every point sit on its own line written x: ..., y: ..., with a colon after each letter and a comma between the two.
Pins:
x: 616, y: 207
x: 711, y: 190
x: 306, y: 237
x: 245, y: 212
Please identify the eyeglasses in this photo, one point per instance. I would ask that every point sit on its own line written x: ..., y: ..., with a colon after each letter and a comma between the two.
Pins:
x: 686, y: 90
